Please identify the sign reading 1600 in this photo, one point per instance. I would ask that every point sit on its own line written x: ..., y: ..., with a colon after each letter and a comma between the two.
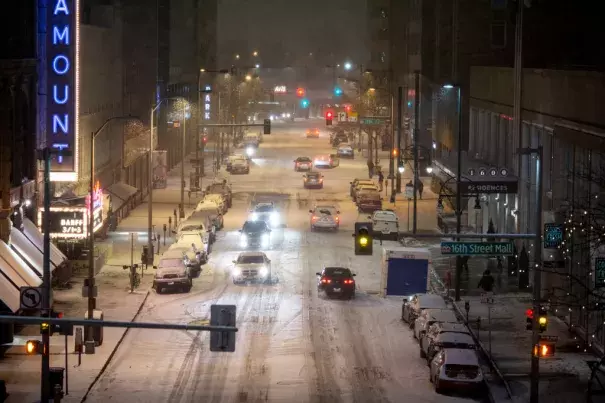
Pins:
x: 62, y: 64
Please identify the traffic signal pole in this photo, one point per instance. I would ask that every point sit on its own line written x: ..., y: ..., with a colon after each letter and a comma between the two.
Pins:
x: 46, y: 286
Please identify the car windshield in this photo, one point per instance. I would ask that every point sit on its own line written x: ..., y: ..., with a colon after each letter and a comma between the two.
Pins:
x: 215, y: 188
x: 251, y: 259
x: 325, y: 210
x: 303, y: 159
x: 337, y: 272
x: 254, y: 226
x: 171, y: 263
x: 192, y: 227
x: 263, y: 209
x: 313, y: 175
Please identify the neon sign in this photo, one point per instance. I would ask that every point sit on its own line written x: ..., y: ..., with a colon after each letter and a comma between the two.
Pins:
x: 207, y: 103
x: 280, y: 89
x: 62, y: 109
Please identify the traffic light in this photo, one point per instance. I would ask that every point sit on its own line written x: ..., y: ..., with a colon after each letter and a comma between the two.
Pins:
x: 363, y: 238
x: 45, y: 328
x: 329, y: 116
x: 337, y: 91
x: 33, y: 347
x: 267, y: 126
x: 205, y: 139
x: 545, y: 349
x: 395, y: 152
x: 304, y: 103
x: 542, y: 319
x: 348, y: 108
x: 300, y: 92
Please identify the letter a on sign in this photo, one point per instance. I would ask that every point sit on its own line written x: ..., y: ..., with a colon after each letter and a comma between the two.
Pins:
x: 61, y: 7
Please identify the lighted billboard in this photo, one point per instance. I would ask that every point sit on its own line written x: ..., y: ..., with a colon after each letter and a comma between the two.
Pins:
x: 62, y: 61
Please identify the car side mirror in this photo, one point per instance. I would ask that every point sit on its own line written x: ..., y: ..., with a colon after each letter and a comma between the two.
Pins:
x: 354, y: 275
x: 155, y: 267
x: 319, y: 274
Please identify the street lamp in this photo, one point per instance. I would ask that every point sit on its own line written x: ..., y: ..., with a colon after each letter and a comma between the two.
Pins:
x: 255, y: 53
x: 257, y: 66
x: 248, y: 77
x: 348, y: 66
x: 401, y: 169
x: 237, y: 57
x: 91, y: 241
x: 458, y: 178
x: 429, y: 170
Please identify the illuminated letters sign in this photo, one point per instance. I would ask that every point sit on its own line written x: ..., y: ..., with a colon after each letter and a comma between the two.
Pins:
x: 62, y: 39
x: 280, y: 89
x: 207, y: 106
x: 71, y: 222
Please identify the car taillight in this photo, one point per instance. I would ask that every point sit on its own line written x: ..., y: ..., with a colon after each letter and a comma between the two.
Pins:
x: 326, y: 280
x: 337, y: 219
x: 321, y: 180
x: 349, y: 281
x: 314, y: 218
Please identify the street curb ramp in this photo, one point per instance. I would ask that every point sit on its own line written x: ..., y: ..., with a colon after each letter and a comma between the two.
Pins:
x: 115, y: 349
x: 486, y: 356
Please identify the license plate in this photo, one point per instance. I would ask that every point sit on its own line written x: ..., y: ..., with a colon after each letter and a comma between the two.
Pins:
x: 171, y: 283
x: 336, y: 289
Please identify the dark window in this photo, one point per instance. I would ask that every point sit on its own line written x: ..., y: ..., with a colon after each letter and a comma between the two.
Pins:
x: 264, y: 209
x: 255, y: 226
x: 303, y: 159
x: 498, y: 34
x: 337, y: 272
x: 251, y: 259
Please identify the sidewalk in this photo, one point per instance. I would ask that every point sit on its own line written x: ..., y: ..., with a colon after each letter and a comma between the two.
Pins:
x: 563, y: 378
x: 22, y: 372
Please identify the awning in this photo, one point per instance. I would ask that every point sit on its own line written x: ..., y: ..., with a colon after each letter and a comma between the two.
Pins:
x: 33, y: 235
x: 120, y: 193
x: 28, y: 252
x: 16, y: 268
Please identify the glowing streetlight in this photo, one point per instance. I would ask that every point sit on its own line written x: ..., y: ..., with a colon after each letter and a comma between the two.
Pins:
x: 203, y: 70
x: 348, y: 66
x: 429, y: 170
x: 401, y: 169
x: 448, y: 86
x: 257, y: 66
x: 372, y: 90
x: 255, y: 53
x: 237, y: 56
x: 248, y: 77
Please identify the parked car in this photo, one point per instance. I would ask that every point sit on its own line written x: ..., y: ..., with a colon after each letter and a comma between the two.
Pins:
x: 325, y: 217
x: 439, y: 328
x: 457, y: 369
x: 193, y: 241
x: 369, y: 202
x: 172, y: 273
x: 217, y: 199
x: 313, y: 180
x: 223, y: 189
x: 336, y: 281
x: 334, y: 160
x: 365, y: 189
x: 200, y: 225
x: 251, y: 267
x: 345, y: 151
x: 240, y: 166
x: 229, y: 160
x: 303, y: 164
x: 338, y: 139
x: 411, y: 307
x: 447, y: 340
x: 385, y: 223
x: 429, y: 316
x: 357, y: 182
x: 211, y: 211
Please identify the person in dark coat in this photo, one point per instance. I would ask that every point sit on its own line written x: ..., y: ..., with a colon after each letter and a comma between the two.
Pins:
x: 380, y: 179
x: 370, y: 169
x: 487, y: 281
x: 420, y: 187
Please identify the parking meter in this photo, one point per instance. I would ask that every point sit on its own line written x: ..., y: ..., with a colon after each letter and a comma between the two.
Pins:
x: 467, y: 307
x: 145, y: 254
x: 165, y: 234
x: 169, y: 223
x: 175, y: 220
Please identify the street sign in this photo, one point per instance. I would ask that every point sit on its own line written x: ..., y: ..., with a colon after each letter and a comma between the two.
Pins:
x: 477, y: 248
x: 553, y: 235
x: 222, y: 315
x: 599, y: 269
x: 489, y: 187
x: 409, y: 191
x: 342, y: 116
x: 31, y: 298
x: 376, y: 120
x: 353, y: 116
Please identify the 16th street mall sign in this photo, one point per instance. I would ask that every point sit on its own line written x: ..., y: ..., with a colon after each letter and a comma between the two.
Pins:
x: 477, y: 248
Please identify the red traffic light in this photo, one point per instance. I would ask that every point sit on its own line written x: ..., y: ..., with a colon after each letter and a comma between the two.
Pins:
x: 300, y: 92
x: 205, y: 139
x: 529, y: 313
x: 348, y: 108
x: 329, y: 115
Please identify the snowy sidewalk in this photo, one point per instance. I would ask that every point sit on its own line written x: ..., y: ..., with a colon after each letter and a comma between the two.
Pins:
x: 562, y: 378
x: 22, y: 372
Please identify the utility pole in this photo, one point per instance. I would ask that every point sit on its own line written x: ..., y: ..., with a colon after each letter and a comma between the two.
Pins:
x: 416, y: 124
x: 5, y: 184
x: 458, y: 194
x: 46, y: 287
x: 183, y: 146
x: 518, y: 78
x: 399, y: 123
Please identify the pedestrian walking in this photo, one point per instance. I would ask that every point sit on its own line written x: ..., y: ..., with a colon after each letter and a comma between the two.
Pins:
x: 420, y: 187
x: 370, y: 168
x: 486, y: 282
x: 380, y: 180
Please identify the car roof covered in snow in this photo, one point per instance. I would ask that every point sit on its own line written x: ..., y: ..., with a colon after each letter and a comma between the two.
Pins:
x: 428, y: 301
x: 441, y: 315
x: 449, y: 327
x: 450, y: 337
x: 460, y: 356
x: 251, y: 254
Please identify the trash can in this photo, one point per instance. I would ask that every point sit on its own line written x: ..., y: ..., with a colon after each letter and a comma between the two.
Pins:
x: 55, y: 378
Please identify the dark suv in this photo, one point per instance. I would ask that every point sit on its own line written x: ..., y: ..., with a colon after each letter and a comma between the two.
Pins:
x: 336, y: 281
x: 255, y: 234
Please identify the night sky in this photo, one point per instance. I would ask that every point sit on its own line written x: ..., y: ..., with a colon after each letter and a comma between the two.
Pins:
x: 296, y: 26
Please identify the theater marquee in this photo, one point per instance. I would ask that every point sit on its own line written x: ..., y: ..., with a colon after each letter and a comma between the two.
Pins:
x: 62, y: 111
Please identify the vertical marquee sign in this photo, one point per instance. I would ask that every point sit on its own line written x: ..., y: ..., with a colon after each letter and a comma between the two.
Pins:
x: 62, y: 114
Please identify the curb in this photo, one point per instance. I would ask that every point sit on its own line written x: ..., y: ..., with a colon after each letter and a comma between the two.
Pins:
x: 115, y: 349
x: 489, y: 360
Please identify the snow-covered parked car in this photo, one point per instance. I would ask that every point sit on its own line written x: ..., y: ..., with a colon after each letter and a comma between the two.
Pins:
x: 195, y: 242
x: 217, y: 199
x: 412, y: 306
x: 385, y: 223
x: 447, y: 340
x: 429, y: 316
x: 439, y: 328
x: 457, y: 369
x: 240, y: 166
x: 173, y: 272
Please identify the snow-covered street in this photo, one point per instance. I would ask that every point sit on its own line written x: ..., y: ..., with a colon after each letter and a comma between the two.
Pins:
x: 293, y: 345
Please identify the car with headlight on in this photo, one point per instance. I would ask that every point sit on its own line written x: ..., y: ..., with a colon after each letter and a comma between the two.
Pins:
x: 240, y: 166
x: 255, y: 234
x: 322, y: 161
x: 251, y: 267
x: 312, y: 133
x: 325, y: 217
x: 313, y: 180
x: 266, y: 212
x: 303, y: 164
